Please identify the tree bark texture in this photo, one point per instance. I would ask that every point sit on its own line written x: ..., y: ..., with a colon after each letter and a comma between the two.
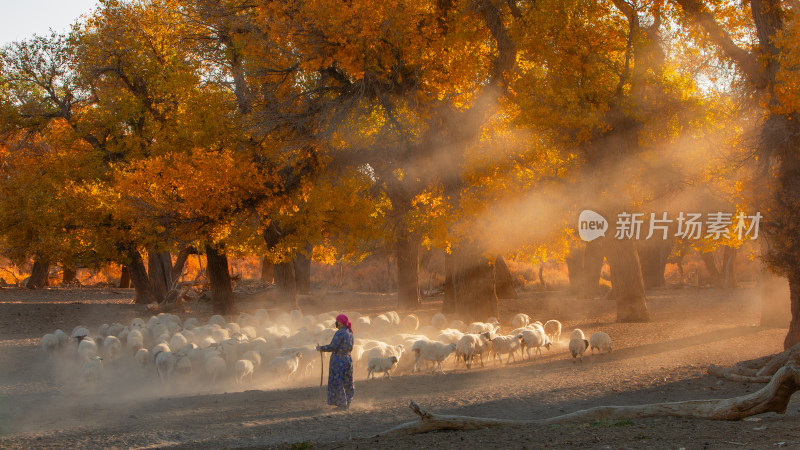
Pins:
x: 40, y: 273
x: 626, y: 280
x: 138, y: 273
x: 159, y: 270
x: 407, y: 249
x: 218, y: 273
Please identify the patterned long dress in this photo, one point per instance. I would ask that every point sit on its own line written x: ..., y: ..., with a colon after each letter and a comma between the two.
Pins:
x: 340, y: 371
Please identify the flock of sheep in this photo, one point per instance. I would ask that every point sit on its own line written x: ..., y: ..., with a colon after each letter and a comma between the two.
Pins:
x: 284, y: 348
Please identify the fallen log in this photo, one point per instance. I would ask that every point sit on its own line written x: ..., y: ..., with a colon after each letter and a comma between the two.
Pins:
x: 773, y: 397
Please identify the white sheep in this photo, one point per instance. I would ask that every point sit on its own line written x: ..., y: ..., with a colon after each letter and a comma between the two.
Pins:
x: 216, y: 319
x: 112, y: 347
x: 600, y: 341
x: 178, y: 341
x: 458, y: 325
x: 191, y: 323
x: 472, y: 345
x: 449, y: 335
x: 439, y: 321
x: 481, y: 327
x: 244, y: 368
x: 552, y: 328
x: 165, y: 364
x: 87, y: 348
x: 520, y: 320
x: 431, y: 351
x: 135, y: 340
x: 254, y: 357
x: 142, y: 357
x: 536, y: 339
x: 577, y: 344
x: 284, y: 366
x: 50, y: 343
x: 384, y: 365
x: 92, y: 370
x: 506, y: 345
x: 138, y: 324
x: 262, y: 315
x: 384, y: 351
x: 410, y: 323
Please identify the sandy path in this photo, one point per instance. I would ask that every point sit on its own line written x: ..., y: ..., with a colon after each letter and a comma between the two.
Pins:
x: 664, y: 360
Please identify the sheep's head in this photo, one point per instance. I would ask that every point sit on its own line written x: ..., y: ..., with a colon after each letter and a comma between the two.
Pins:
x: 519, y: 336
x: 547, y: 345
x: 393, y: 359
x: 298, y: 355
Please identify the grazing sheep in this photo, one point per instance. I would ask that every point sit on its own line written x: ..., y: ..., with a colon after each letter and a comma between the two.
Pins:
x: 535, y: 339
x: 552, y: 328
x: 165, y: 364
x: 431, y: 351
x: 577, y: 344
x: 284, y: 366
x: 92, y: 370
x: 439, y: 321
x: 384, y: 351
x: 600, y: 341
x: 472, y: 345
x: 244, y: 368
x: 506, y: 345
x: 384, y: 365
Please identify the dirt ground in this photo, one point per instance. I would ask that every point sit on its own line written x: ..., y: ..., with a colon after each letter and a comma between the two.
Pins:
x: 43, y: 404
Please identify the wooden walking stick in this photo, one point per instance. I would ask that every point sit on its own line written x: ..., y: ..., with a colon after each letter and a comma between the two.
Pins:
x: 321, y: 373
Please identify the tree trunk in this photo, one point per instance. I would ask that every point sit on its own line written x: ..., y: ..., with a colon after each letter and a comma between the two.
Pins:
x: 793, y: 337
x: 715, y: 278
x: 40, y: 274
x: 775, y: 299
x: 159, y: 270
x: 473, y: 285
x: 653, y: 255
x: 541, y: 277
x: 504, y: 283
x: 287, y: 285
x: 626, y: 280
x: 449, y: 298
x: 124, y: 277
x: 220, y: 277
x: 180, y: 261
x: 729, y: 268
x: 138, y: 273
x: 68, y: 275
x: 407, y: 251
x: 575, y: 270
x: 302, y: 270
x: 267, y: 271
x: 592, y: 267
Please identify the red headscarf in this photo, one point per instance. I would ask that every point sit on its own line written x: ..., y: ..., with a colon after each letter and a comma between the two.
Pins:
x: 342, y: 319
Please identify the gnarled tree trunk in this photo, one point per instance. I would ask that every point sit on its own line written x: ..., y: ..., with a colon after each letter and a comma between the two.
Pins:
x: 221, y: 290
x: 715, y: 278
x: 138, y: 273
x: 159, y: 271
x: 267, y: 270
x: 68, y: 274
x: 449, y: 299
x: 39, y: 273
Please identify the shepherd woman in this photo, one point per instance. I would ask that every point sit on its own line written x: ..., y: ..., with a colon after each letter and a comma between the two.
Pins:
x: 340, y: 371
